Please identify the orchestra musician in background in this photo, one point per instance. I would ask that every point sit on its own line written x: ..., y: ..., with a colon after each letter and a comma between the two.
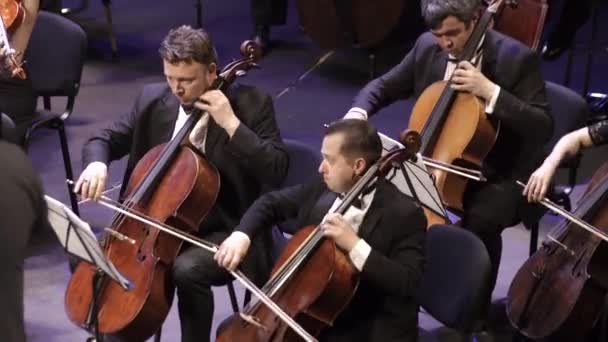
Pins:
x: 267, y: 13
x: 567, y: 147
x: 17, y: 96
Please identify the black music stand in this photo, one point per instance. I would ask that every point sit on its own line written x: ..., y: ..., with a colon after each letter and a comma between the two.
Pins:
x: 79, y: 240
x: 413, y: 179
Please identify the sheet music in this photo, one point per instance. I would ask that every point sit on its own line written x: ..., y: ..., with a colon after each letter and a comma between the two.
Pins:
x: 78, y: 239
x: 422, y: 187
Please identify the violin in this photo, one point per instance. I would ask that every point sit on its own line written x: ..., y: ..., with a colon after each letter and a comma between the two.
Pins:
x: 172, y: 184
x: 12, y: 15
x: 559, y: 291
x: 312, y: 280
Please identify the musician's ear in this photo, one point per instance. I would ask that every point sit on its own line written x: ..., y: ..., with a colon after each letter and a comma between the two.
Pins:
x: 360, y: 166
x: 212, y: 68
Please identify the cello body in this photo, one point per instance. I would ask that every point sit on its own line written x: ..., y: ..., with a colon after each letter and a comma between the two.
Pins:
x: 465, y: 140
x: 182, y: 199
x: 327, y: 280
x: 559, y: 291
x: 362, y: 23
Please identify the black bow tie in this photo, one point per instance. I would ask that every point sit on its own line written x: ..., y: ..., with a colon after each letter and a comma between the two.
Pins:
x: 355, y: 203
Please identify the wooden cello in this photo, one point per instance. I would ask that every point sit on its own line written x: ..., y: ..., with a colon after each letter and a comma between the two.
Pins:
x: 363, y: 23
x: 523, y: 20
x: 454, y: 126
x: 172, y: 184
x: 313, y: 280
x: 12, y: 15
x: 559, y: 291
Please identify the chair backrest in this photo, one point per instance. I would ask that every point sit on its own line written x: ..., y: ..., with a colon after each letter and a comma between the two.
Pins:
x: 456, y: 280
x: 570, y: 111
x: 55, y: 55
x: 303, y: 164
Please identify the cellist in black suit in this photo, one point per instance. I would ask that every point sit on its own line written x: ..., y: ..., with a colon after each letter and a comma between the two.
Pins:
x: 508, y: 78
x: 383, y: 235
x: 238, y: 135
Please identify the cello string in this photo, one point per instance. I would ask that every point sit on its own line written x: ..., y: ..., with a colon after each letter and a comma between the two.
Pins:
x: 213, y: 248
x: 570, y: 217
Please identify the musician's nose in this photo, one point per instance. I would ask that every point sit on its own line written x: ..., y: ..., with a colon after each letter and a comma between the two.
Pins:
x: 448, y: 44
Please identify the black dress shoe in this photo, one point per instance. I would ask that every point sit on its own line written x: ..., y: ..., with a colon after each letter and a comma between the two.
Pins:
x: 261, y: 36
x: 551, y: 51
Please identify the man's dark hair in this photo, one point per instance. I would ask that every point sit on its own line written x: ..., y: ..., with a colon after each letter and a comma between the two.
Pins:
x: 361, y: 139
x: 435, y: 11
x: 185, y: 44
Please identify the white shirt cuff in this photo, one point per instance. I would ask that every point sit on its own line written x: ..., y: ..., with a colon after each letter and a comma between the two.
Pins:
x: 356, y: 113
x: 236, y: 232
x: 359, y: 254
x: 492, y: 103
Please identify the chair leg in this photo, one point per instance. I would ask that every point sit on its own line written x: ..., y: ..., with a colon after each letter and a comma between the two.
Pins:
x: 158, y: 334
x: 233, y: 300
x: 247, y: 298
x: 67, y: 164
x: 533, y: 238
x: 199, y: 13
x: 113, y: 43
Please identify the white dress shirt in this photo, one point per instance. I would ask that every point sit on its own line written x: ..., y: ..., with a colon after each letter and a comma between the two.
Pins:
x: 359, y: 254
x: 198, y: 136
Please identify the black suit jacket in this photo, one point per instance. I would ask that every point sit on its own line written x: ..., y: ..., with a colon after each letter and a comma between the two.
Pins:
x: 252, y: 160
x: 521, y: 107
x: 383, y: 308
x: 23, y: 210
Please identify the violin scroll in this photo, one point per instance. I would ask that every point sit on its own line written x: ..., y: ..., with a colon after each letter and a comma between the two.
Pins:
x: 251, y: 52
x: 251, y: 49
x: 15, y: 68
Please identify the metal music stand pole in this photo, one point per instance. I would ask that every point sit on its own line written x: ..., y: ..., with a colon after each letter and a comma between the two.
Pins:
x: 78, y: 240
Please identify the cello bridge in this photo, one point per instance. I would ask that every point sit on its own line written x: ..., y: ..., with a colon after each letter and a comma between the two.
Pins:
x: 253, y: 321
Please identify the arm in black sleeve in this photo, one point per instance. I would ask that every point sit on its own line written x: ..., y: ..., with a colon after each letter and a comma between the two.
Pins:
x: 396, y: 84
x: 275, y: 207
x: 259, y: 145
x: 113, y: 142
x: 524, y: 106
x: 399, y: 272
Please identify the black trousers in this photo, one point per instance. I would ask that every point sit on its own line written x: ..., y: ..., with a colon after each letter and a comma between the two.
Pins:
x: 194, y: 273
x: 565, y: 18
x: 489, y: 208
x: 18, y: 101
x: 269, y: 12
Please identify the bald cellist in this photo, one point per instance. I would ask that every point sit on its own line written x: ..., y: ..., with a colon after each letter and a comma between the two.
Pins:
x: 507, y: 78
